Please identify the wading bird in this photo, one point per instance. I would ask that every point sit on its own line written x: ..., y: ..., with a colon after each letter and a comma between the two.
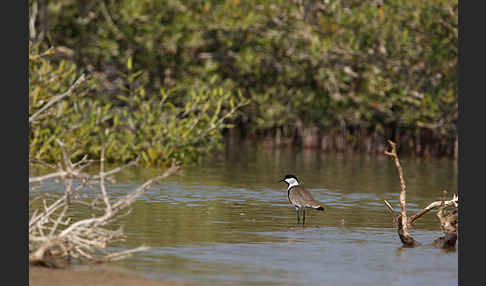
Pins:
x: 300, y: 197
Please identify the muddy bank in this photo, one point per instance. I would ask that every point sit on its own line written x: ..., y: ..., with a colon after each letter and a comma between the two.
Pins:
x: 91, y: 275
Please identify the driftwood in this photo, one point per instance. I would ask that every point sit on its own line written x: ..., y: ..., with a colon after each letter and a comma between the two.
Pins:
x: 54, y: 239
x: 448, y: 222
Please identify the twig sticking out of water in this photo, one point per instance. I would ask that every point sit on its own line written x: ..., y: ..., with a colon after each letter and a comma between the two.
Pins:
x: 401, y: 219
x: 392, y: 213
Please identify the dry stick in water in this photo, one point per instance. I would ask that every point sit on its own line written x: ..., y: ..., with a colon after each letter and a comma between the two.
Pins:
x: 402, y: 221
x: 392, y: 212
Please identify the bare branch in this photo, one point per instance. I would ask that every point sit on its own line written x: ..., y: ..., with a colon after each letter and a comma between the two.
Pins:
x: 119, y: 169
x: 448, y: 224
x: 392, y: 212
x: 75, y: 172
x: 58, y: 98
x: 32, y: 18
x: 121, y: 204
x: 33, y: 200
x: 453, y: 202
x: 86, y: 238
x: 46, y: 177
x: 122, y: 254
x: 59, y: 220
x: 402, y: 221
x: 48, y: 211
x: 127, y: 200
x: 102, y: 181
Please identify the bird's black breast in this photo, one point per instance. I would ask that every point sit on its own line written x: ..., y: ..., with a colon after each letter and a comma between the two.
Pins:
x: 288, y: 192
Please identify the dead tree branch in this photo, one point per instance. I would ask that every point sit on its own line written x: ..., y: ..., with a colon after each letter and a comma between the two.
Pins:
x: 401, y: 219
x: 392, y: 213
x: 54, y: 237
x: 32, y: 18
x: 448, y: 224
x: 74, y: 170
x: 58, y: 98
x: 454, y: 202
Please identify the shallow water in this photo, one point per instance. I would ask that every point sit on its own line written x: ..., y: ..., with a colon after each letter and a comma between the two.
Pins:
x: 228, y: 221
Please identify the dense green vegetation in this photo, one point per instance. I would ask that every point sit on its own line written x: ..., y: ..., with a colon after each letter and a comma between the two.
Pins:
x: 172, y: 124
x: 342, y: 74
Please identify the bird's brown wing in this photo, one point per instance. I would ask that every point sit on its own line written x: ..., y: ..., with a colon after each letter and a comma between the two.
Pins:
x: 302, y: 197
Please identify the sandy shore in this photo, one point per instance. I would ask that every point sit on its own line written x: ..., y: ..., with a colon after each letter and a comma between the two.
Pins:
x: 93, y: 276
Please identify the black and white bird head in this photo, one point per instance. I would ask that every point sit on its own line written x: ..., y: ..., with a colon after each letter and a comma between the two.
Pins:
x: 291, y: 180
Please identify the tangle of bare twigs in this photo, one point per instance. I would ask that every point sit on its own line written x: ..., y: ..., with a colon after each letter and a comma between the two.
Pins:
x: 54, y: 238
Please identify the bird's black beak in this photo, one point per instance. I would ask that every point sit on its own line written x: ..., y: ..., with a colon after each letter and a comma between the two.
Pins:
x: 281, y: 180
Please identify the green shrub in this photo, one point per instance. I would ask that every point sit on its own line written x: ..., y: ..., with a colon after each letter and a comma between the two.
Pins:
x: 332, y: 63
x: 181, y: 124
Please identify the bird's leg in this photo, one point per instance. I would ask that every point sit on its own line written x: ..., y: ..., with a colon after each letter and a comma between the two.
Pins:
x: 297, y: 210
x: 303, y: 215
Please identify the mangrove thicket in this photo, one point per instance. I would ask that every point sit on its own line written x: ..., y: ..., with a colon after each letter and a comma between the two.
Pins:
x: 162, y: 74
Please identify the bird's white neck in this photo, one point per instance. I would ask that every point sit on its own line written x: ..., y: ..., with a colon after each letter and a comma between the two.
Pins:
x: 292, y: 182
